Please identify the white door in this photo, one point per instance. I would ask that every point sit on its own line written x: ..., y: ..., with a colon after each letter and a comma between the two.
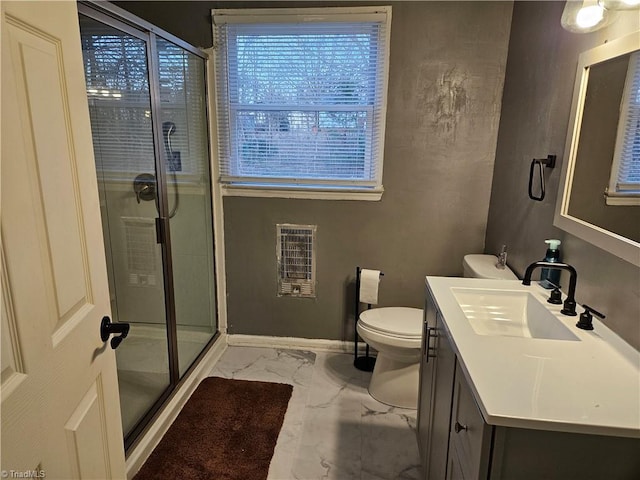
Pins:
x: 60, y: 406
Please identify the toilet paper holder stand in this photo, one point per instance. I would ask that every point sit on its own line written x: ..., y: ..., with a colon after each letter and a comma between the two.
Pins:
x: 366, y: 362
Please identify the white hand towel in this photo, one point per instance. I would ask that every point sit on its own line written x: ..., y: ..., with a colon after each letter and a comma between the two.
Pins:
x: 369, y: 280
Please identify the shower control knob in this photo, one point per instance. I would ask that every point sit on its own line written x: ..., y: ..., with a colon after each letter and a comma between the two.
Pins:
x: 144, y: 186
x: 107, y: 328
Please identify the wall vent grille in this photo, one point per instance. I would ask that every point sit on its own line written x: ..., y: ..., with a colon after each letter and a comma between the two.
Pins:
x: 295, y: 252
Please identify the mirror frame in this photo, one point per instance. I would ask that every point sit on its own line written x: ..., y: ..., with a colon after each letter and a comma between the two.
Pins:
x: 611, y: 242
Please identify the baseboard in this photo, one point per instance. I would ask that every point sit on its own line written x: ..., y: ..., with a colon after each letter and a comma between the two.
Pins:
x: 168, y: 414
x: 317, y: 344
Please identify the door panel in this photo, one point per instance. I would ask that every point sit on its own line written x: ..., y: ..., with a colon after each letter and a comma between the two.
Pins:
x: 41, y: 92
x: 86, y: 449
x: 54, y: 277
x: 12, y: 358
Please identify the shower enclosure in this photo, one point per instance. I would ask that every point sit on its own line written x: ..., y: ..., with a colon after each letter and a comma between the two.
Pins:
x: 147, y: 103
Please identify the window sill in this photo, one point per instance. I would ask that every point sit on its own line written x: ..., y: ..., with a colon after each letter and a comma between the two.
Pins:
x: 369, y: 195
x: 622, y: 200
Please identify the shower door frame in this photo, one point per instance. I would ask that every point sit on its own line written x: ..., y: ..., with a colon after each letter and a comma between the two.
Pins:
x: 128, y: 23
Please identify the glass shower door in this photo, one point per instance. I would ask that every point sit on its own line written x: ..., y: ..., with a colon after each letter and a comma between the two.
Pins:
x: 120, y: 107
x: 185, y: 150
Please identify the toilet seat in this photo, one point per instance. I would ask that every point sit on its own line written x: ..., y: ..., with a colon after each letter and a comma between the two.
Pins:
x: 402, y: 322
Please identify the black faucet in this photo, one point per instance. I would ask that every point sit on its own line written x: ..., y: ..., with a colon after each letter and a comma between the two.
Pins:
x: 569, y: 307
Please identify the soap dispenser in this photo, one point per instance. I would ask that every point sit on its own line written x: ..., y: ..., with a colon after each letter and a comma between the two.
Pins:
x: 553, y: 255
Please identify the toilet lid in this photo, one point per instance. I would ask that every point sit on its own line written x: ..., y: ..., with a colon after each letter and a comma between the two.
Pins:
x: 403, y: 321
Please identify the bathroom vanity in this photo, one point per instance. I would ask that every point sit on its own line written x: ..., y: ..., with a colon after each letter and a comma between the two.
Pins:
x: 511, y: 389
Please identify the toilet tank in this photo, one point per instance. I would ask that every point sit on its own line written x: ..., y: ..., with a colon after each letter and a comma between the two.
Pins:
x: 484, y: 266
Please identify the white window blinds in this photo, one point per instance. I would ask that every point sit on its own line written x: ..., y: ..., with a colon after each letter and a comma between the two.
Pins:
x: 181, y: 81
x: 625, y: 172
x: 117, y: 79
x: 301, y: 96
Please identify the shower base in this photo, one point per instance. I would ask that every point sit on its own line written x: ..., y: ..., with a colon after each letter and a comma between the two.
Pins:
x: 143, y: 366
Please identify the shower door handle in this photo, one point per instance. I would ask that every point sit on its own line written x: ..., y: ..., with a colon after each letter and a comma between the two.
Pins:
x: 107, y: 328
x: 161, y: 229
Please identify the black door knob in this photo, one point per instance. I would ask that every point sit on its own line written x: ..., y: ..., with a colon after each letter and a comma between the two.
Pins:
x: 107, y: 327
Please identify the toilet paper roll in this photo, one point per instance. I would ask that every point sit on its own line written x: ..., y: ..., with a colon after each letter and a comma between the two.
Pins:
x: 369, y: 281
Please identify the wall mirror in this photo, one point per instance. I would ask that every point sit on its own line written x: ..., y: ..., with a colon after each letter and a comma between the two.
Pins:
x: 587, y: 206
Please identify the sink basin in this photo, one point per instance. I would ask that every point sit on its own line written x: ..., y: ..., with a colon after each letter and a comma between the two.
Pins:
x: 509, y: 313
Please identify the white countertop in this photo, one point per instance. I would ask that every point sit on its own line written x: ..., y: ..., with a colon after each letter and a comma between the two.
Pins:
x: 586, y: 386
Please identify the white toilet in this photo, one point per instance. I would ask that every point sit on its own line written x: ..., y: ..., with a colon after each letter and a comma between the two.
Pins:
x: 396, y: 333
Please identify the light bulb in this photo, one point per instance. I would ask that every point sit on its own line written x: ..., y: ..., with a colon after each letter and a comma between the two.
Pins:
x: 590, y: 16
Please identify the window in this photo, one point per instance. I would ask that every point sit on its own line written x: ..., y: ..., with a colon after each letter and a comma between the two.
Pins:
x: 301, y: 97
x: 624, y: 184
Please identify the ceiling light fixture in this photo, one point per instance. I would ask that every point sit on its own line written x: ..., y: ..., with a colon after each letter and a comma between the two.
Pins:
x: 588, y: 15
x: 620, y: 4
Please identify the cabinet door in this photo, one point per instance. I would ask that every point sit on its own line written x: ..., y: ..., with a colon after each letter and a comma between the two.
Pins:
x: 470, y: 435
x: 442, y: 397
x: 427, y: 376
x: 454, y: 468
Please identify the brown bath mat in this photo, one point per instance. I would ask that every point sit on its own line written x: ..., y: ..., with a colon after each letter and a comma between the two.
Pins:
x: 226, y: 431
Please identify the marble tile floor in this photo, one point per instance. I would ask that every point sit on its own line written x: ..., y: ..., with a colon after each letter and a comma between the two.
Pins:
x: 333, y: 429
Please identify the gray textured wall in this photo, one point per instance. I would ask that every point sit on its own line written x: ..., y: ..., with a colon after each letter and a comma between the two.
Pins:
x: 446, y: 76
x: 535, y: 113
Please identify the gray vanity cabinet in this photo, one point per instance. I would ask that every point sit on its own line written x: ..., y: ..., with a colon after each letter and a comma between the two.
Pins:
x: 457, y: 444
x: 436, y: 389
x: 470, y: 436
